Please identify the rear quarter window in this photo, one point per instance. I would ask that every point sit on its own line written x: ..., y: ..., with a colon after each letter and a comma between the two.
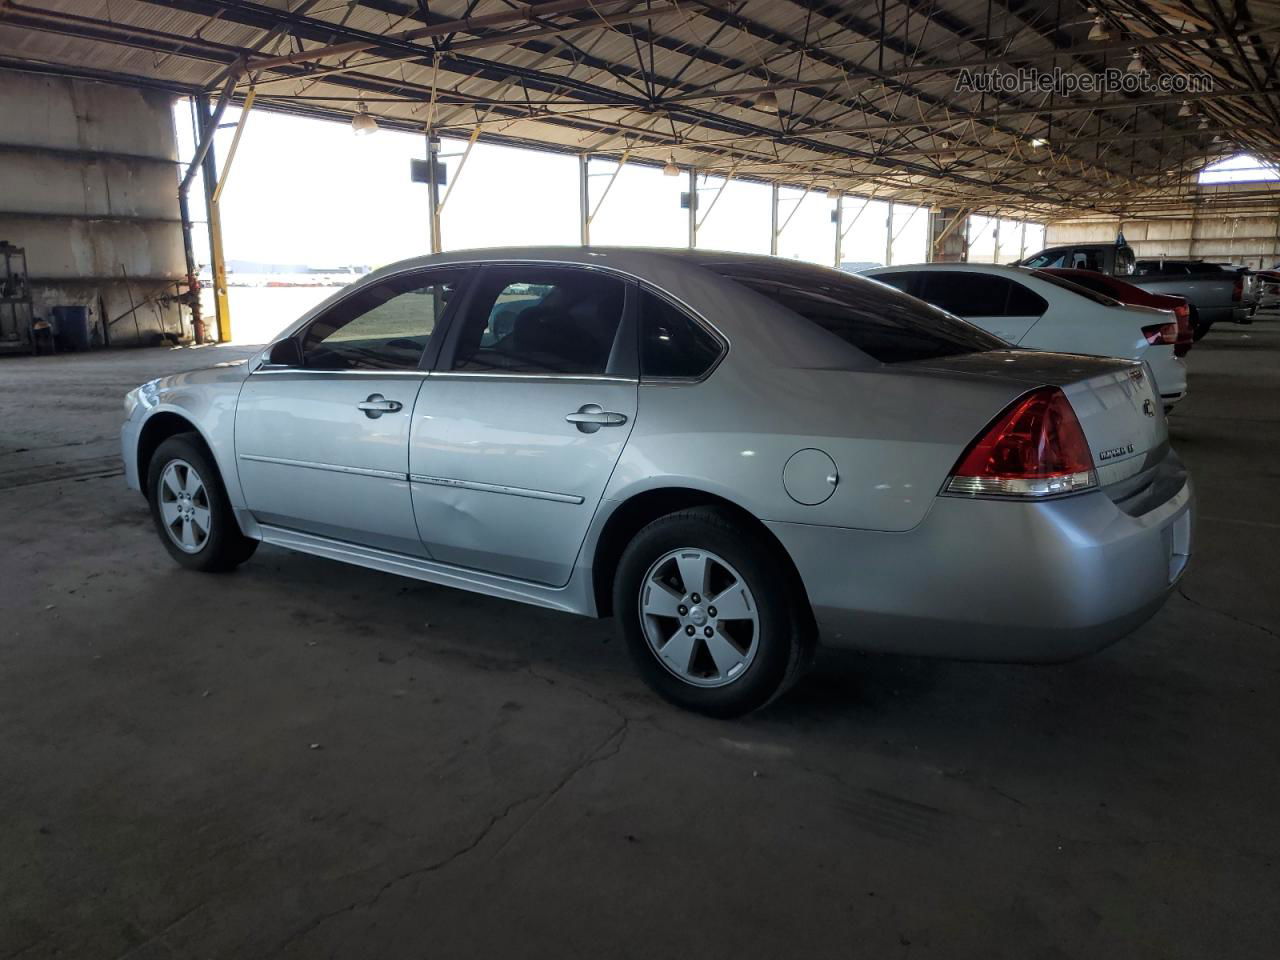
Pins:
x: 882, y: 322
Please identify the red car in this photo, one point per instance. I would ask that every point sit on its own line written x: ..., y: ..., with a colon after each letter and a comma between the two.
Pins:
x: 1117, y: 289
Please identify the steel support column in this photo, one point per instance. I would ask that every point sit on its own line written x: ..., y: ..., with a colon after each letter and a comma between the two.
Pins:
x: 888, y: 236
x: 584, y: 201
x: 839, y: 217
x: 217, y: 264
x: 693, y: 207
x: 433, y: 190
x: 773, y: 219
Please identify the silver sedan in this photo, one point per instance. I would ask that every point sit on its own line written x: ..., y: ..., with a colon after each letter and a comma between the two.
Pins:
x: 732, y: 455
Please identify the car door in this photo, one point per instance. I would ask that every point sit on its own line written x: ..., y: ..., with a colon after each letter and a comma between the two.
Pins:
x: 518, y: 429
x: 995, y: 303
x: 322, y: 430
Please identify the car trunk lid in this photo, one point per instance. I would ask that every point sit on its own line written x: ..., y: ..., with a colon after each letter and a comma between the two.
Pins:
x: 1115, y: 401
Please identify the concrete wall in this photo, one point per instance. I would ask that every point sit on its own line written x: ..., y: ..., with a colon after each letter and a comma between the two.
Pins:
x: 1250, y: 238
x: 89, y: 186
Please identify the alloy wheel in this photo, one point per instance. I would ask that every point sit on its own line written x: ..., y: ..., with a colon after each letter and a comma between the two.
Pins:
x: 699, y: 617
x: 184, y: 506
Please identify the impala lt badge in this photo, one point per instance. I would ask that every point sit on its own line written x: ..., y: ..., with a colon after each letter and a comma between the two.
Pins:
x: 1115, y: 452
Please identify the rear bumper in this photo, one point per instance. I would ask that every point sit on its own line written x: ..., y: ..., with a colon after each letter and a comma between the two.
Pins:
x: 999, y: 580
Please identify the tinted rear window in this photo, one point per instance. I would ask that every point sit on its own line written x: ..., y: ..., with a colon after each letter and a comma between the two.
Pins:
x: 883, y: 323
x: 1075, y: 288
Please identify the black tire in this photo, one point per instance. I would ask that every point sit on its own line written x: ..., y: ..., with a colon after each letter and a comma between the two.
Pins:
x: 784, y: 643
x: 1198, y: 329
x: 224, y: 546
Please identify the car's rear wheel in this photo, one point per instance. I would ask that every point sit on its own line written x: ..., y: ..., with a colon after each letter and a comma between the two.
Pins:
x: 1198, y: 329
x: 711, y: 615
x: 190, y: 508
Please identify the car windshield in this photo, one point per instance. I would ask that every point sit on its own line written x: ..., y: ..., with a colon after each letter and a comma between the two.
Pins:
x: 1076, y: 288
x: 882, y: 322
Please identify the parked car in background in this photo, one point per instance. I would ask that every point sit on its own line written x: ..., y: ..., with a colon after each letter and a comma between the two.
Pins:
x: 1032, y: 308
x: 1118, y: 289
x: 1115, y: 259
x: 1269, y: 289
x: 1214, y: 295
x: 730, y: 454
x: 1251, y: 292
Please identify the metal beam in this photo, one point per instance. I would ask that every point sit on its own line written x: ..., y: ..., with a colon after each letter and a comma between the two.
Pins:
x: 523, y: 13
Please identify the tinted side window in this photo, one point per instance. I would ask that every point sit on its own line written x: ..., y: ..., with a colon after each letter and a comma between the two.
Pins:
x: 902, y: 280
x: 385, y: 326
x: 1087, y: 259
x: 1051, y: 258
x: 886, y: 325
x: 965, y: 294
x: 1024, y: 302
x: 673, y: 344
x: 540, y: 320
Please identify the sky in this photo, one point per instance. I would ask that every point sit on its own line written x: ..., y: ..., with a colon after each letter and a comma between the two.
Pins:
x: 310, y: 191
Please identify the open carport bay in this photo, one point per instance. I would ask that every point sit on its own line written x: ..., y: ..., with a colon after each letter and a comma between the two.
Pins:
x: 308, y: 759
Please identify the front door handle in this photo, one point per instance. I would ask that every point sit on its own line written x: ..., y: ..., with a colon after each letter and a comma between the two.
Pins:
x: 376, y: 405
x: 590, y: 417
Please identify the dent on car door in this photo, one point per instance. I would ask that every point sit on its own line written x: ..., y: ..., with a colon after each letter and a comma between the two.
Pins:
x: 322, y: 439
x: 518, y: 430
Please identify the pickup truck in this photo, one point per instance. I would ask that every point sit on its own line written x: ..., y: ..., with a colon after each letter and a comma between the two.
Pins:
x: 1215, y: 293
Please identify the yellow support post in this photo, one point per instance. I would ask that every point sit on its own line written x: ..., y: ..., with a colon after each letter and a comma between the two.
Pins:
x: 220, y: 299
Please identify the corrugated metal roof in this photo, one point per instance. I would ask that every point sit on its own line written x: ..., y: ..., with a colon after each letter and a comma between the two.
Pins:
x: 867, y: 91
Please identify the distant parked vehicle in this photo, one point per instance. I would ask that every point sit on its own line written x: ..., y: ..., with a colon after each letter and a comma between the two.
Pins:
x: 1217, y: 294
x: 1269, y: 289
x: 1213, y: 294
x: 1032, y: 308
x: 1126, y: 292
x: 1117, y: 260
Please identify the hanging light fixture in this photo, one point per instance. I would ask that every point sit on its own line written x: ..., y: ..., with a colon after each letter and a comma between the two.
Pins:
x: 1135, y: 64
x: 669, y: 169
x: 1203, y: 124
x: 1099, y: 31
x: 1039, y: 142
x: 767, y: 102
x: 362, y: 124
x: 1186, y: 110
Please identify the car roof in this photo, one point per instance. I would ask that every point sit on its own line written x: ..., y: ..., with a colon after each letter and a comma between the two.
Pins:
x: 996, y: 268
x: 625, y: 259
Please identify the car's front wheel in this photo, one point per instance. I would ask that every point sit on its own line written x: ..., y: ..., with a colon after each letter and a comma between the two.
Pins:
x: 710, y: 613
x: 190, y: 508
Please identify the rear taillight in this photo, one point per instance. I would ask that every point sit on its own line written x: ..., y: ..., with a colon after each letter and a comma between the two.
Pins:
x: 1035, y: 448
x: 1237, y: 291
x: 1161, y: 334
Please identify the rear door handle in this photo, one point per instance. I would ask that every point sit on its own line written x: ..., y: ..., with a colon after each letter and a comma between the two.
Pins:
x: 376, y: 405
x: 590, y: 417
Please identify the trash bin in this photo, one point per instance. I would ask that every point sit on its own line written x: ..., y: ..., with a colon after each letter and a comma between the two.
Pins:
x: 74, y: 330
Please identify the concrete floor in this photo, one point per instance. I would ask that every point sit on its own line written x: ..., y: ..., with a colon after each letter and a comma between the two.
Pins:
x: 304, y: 759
